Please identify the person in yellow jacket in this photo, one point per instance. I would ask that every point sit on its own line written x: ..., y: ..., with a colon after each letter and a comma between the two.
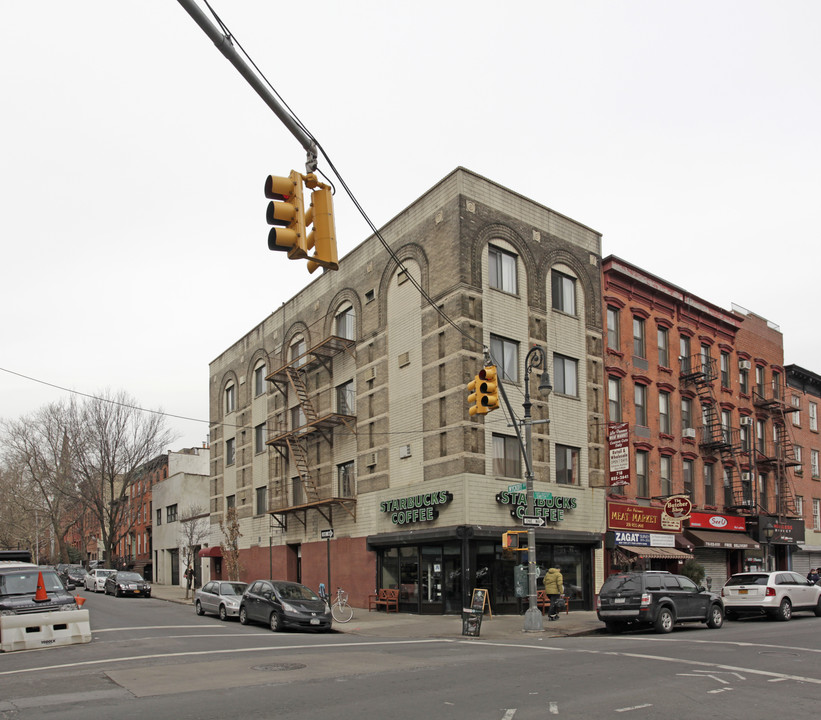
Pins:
x: 553, y: 588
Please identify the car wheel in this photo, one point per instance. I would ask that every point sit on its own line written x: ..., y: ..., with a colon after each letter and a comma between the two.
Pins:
x: 784, y: 611
x: 715, y: 617
x: 223, y: 613
x: 614, y: 628
x: 818, y: 608
x: 275, y: 622
x: 198, y: 608
x: 243, y: 616
x: 665, y: 621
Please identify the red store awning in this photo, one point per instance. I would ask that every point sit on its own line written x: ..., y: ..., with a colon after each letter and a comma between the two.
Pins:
x: 215, y: 551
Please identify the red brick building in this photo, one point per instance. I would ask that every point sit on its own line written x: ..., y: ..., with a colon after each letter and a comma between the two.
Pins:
x: 702, y: 391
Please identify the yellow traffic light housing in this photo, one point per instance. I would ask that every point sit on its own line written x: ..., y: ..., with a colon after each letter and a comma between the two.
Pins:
x: 489, y: 388
x: 510, y: 540
x: 286, y: 212
x: 474, y: 398
x: 322, y: 237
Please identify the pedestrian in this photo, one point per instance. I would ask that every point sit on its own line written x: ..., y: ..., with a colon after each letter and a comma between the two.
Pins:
x: 813, y: 576
x: 553, y: 588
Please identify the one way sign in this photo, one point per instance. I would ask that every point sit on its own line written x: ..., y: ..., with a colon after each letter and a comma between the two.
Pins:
x: 533, y: 521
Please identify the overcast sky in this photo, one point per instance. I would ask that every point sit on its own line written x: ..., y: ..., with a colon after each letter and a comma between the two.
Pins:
x: 134, y: 155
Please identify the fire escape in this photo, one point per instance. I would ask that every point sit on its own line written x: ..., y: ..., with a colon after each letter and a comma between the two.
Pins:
x: 778, y: 456
x: 292, y: 443
x: 700, y: 372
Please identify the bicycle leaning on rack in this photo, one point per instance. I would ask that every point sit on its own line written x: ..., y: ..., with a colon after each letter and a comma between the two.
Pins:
x: 341, y: 611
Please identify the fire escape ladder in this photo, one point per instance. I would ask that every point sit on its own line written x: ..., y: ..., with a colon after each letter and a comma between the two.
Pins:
x: 299, y: 455
x: 298, y: 383
x: 784, y: 459
x: 700, y: 371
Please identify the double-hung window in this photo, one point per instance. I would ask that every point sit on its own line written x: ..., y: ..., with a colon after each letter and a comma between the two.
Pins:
x: 640, y: 398
x: 642, y: 477
x: 565, y: 375
x: 614, y: 399
x: 564, y: 292
x: 501, y: 270
x: 262, y: 500
x: 506, y: 354
x: 567, y: 465
x: 259, y: 379
x: 639, y: 347
x: 506, y: 456
x: 613, y: 330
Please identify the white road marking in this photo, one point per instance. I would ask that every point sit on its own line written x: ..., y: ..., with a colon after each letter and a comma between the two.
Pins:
x: 509, y: 714
x: 634, y: 707
x: 553, y: 708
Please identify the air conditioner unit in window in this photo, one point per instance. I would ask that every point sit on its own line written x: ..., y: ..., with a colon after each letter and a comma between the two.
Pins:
x: 370, y: 459
x: 744, y: 365
x: 370, y: 374
x: 746, y: 420
x: 745, y: 476
x: 688, y: 432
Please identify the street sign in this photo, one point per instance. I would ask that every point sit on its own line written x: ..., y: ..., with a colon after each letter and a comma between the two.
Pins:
x: 517, y: 487
x: 542, y: 496
x: 326, y: 534
x: 533, y: 521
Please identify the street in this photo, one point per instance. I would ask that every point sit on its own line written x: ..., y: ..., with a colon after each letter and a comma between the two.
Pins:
x: 156, y: 659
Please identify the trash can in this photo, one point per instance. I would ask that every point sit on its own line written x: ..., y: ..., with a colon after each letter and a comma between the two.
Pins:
x: 471, y: 622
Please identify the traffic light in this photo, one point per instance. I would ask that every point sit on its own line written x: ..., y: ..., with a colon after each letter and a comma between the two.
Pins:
x: 510, y: 540
x: 286, y: 212
x: 489, y: 388
x: 474, y: 399
x: 322, y: 237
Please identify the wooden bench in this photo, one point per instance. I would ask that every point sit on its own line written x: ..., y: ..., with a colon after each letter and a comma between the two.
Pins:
x: 543, y: 602
x: 389, y: 597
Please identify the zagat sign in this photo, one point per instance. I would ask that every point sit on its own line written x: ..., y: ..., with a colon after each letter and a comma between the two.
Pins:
x: 418, y: 508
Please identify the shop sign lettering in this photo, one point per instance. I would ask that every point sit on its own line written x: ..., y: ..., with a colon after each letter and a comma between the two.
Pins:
x: 547, y: 505
x: 417, y: 508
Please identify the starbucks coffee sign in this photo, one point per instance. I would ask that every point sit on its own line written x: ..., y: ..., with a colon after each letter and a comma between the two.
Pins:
x: 417, y: 508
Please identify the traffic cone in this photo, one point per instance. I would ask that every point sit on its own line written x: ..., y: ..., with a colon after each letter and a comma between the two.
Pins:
x: 41, y: 595
x: 79, y: 600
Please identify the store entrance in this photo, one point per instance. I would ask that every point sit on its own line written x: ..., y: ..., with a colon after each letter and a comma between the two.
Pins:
x: 429, y: 577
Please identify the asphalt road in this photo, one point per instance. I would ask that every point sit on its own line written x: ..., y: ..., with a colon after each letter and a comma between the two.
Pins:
x: 153, y: 659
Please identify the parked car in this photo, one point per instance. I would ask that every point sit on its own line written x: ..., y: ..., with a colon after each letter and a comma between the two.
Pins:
x: 656, y: 599
x: 219, y: 597
x: 281, y: 604
x: 18, y: 589
x: 123, y: 582
x: 71, y: 575
x: 95, y: 580
x: 775, y: 594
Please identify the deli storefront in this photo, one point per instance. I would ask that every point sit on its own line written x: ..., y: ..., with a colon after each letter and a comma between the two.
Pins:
x: 436, y: 567
x: 723, y: 546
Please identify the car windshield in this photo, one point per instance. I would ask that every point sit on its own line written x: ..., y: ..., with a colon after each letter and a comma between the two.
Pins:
x: 748, y: 579
x: 128, y: 577
x: 294, y: 591
x: 76, y: 572
x: 232, y: 588
x: 24, y: 582
x: 622, y: 583
x: 103, y: 573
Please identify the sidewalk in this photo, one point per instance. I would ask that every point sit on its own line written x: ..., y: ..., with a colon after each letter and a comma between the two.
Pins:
x: 408, y: 626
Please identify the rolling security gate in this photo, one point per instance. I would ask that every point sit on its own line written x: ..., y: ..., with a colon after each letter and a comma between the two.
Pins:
x: 715, y: 566
x: 806, y: 559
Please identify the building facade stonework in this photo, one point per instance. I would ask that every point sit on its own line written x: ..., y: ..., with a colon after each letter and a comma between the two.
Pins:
x: 346, y: 409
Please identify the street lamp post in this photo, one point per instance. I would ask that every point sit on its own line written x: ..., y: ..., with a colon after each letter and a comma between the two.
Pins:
x: 536, y: 357
x: 768, y: 531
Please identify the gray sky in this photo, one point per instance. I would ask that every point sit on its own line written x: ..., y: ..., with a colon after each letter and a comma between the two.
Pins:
x: 134, y: 157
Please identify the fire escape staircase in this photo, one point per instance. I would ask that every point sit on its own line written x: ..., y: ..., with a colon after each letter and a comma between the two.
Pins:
x: 782, y: 457
x: 700, y: 371
x: 292, y: 443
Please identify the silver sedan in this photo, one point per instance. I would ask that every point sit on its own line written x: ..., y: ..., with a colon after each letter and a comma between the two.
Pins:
x: 219, y: 597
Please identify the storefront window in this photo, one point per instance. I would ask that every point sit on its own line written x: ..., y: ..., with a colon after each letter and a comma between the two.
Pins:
x: 408, y: 575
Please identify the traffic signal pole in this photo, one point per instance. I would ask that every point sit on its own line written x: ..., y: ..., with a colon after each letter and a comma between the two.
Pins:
x: 536, y: 357
x: 226, y: 47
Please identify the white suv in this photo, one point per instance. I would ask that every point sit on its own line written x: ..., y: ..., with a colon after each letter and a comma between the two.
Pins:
x: 776, y: 594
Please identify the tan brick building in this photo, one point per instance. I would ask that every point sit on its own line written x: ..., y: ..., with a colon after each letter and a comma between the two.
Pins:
x: 346, y: 409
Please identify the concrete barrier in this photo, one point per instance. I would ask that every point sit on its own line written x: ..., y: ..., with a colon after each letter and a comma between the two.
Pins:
x: 48, y: 629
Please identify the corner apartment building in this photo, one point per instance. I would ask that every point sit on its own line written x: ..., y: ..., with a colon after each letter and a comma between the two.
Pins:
x: 699, y: 393
x: 340, y: 430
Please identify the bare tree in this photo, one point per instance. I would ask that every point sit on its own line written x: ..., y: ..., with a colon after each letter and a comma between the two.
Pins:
x: 39, y: 448
x: 230, y: 544
x: 112, y: 439
x: 194, y: 529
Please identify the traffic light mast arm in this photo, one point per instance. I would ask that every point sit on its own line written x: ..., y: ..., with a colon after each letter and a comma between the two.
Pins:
x: 226, y: 47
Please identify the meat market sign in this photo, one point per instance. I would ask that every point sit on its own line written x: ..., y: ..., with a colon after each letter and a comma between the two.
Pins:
x: 644, y: 519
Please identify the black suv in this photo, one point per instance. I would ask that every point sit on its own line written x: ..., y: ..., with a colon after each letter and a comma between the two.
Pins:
x: 656, y: 599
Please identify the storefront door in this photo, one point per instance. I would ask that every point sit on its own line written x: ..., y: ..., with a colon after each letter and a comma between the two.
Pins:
x: 408, y: 579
